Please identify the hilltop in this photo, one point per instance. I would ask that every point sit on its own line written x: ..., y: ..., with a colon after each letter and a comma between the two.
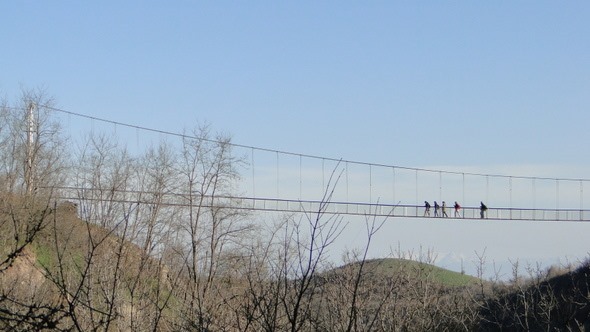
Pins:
x: 383, y: 267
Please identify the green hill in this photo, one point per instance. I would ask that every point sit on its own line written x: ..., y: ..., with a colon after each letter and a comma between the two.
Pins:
x: 437, y: 274
x: 384, y: 267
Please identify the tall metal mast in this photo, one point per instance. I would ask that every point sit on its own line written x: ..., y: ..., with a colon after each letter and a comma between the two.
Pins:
x: 29, y: 168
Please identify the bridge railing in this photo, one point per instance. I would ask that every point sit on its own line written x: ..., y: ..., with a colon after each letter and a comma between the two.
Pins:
x: 416, y: 211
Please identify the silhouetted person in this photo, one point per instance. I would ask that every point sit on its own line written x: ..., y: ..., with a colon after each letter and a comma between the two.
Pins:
x: 457, y: 208
x: 436, y: 207
x: 482, y: 209
x: 426, y: 208
x: 444, y: 209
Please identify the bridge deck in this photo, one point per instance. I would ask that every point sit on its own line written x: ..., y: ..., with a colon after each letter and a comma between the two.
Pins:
x: 413, y: 211
x: 348, y: 208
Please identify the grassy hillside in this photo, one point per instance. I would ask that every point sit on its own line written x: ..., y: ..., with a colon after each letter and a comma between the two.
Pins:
x: 442, y: 276
x: 59, y: 272
x: 384, y: 267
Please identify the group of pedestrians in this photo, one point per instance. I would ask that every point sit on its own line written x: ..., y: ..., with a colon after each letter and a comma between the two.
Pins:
x: 443, y: 209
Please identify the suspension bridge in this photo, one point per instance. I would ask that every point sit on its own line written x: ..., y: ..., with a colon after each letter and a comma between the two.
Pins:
x: 281, y: 181
x: 351, y: 208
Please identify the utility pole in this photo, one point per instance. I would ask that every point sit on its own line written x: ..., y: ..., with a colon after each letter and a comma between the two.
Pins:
x: 30, y: 167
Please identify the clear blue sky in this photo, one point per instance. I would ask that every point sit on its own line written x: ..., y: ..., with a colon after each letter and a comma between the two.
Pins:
x: 497, y: 85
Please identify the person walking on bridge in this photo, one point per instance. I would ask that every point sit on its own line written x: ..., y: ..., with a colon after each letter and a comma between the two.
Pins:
x: 426, y: 209
x: 436, y: 207
x: 444, y: 209
x: 482, y: 209
x: 457, y: 208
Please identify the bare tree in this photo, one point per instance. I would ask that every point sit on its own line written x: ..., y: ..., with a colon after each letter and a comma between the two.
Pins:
x: 88, y: 267
x: 103, y: 180
x: 152, y: 229
x: 31, y: 166
x: 312, y: 236
x: 108, y: 269
x: 32, y: 146
x: 209, y: 226
x: 281, y: 284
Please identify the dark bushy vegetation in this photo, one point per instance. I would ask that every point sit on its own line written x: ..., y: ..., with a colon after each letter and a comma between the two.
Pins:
x: 560, y: 303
